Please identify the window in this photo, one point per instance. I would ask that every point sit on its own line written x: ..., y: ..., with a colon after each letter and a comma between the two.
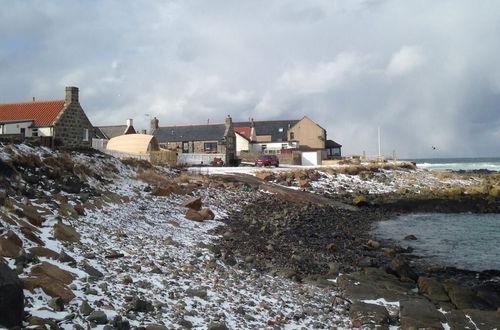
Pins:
x: 185, y: 147
x: 263, y: 147
x: 210, y: 146
x: 284, y: 146
x: 34, y: 132
x: 280, y: 129
x: 85, y: 134
x: 292, y: 136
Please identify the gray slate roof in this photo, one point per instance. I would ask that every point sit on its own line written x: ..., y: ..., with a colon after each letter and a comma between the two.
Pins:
x: 210, y: 132
x: 332, y: 144
x: 110, y: 132
x: 270, y: 127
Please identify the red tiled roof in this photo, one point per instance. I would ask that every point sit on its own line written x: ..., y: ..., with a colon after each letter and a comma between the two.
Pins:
x: 244, y: 131
x: 42, y: 112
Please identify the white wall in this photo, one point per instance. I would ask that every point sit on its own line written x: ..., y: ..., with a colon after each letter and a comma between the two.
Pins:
x: 241, y: 144
x: 312, y: 158
x: 15, y: 128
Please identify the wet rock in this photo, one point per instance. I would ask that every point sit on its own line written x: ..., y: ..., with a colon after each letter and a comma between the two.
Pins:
x: 369, y: 314
x: 98, y: 317
x: 410, y: 238
x: 12, y: 298
x: 193, y: 203
x: 66, y: 233
x: 420, y: 314
x: 432, y: 289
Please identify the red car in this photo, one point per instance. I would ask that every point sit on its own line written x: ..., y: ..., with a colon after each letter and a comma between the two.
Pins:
x: 267, y: 160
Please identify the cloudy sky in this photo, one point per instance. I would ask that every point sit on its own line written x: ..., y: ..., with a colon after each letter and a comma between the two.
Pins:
x: 426, y: 72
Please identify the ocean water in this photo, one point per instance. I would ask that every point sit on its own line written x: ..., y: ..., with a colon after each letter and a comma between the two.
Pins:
x: 467, y: 241
x: 492, y: 163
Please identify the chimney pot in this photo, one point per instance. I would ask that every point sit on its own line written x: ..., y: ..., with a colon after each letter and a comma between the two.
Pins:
x: 129, y: 122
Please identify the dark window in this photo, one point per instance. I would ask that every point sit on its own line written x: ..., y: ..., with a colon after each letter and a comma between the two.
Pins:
x: 292, y: 136
x: 185, y: 147
x: 210, y: 146
x: 34, y: 132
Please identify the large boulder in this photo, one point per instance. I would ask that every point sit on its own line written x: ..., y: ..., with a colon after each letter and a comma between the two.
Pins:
x: 49, y: 286
x: 11, y: 298
x: 368, y: 314
x: 30, y: 213
x: 420, y: 314
x: 432, y: 289
x: 67, y: 233
x: 41, y: 251
x: 54, y: 272
x: 193, y: 203
x: 207, y: 214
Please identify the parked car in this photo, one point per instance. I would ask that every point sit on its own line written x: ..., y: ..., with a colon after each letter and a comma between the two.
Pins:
x: 267, y: 160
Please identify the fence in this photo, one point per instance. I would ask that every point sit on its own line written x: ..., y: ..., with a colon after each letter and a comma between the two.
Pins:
x: 163, y: 157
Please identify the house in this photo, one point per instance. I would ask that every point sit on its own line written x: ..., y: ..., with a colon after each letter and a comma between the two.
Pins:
x: 333, y: 149
x: 61, y: 123
x: 275, y: 135
x: 198, y: 139
x: 109, y: 132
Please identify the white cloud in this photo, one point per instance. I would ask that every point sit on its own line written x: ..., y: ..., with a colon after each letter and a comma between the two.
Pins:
x: 405, y: 60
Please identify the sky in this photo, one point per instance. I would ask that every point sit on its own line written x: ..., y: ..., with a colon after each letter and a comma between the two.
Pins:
x: 426, y: 72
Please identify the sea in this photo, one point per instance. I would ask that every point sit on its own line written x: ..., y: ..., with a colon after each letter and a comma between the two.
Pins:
x: 456, y: 164
x: 466, y: 241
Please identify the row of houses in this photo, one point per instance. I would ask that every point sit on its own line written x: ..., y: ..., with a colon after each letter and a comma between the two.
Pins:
x: 63, y: 123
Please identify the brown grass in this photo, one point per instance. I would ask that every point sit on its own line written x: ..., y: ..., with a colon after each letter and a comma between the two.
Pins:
x: 152, y: 177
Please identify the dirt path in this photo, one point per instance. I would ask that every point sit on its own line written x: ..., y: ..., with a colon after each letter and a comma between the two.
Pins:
x: 282, y: 192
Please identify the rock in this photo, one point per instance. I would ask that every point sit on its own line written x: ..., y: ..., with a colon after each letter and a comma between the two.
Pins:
x: 11, y: 298
x: 28, y: 233
x: 473, y: 319
x: 10, y: 245
x: 404, y: 271
x: 264, y: 175
x: 41, y: 251
x: 200, y: 293
x: 304, y: 183
x: 44, y: 323
x: 432, y: 289
x: 359, y: 200
x: 192, y: 214
x: 374, y: 244
x: 50, y: 286
x: 31, y: 214
x: 369, y: 314
x: 156, y: 327
x: 193, y: 203
x: 79, y: 209
x: 71, y: 184
x: 56, y: 303
x: 410, y: 238
x: 464, y: 297
x: 141, y: 305
x: 185, y: 324
x: 52, y: 271
x: 98, y: 317
x: 229, y: 259
x: 64, y: 257
x: 66, y: 233
x: 85, y: 308
x: 120, y: 324
x: 217, y: 326
x: 420, y: 314
x: 92, y: 271
x: 207, y: 214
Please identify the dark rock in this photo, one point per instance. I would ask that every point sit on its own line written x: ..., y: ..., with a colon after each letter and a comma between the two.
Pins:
x: 11, y: 298
x: 141, y: 305
x: 369, y: 314
x: 464, y: 297
x: 420, y: 314
x: 217, y: 326
x: 85, y: 308
x: 56, y: 303
x: 92, y: 271
x: 410, y: 238
x: 71, y: 184
x: 200, y: 293
x: 64, y: 257
x: 432, y: 289
x: 98, y: 317
x: 185, y: 323
x: 120, y: 324
x: 402, y: 269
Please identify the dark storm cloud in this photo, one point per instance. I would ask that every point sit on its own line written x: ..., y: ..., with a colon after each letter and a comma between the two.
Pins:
x: 426, y: 72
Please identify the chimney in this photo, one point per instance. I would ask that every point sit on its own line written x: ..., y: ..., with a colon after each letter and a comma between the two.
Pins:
x: 253, y: 133
x: 154, y: 125
x: 33, y: 99
x: 130, y: 122
x: 71, y: 95
x: 229, y: 121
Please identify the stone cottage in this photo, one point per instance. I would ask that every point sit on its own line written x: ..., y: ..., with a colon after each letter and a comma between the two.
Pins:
x: 55, y: 123
x: 201, y: 139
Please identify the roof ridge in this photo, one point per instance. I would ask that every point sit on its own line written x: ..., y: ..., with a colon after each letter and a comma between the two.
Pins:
x: 185, y: 125
x: 32, y: 102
